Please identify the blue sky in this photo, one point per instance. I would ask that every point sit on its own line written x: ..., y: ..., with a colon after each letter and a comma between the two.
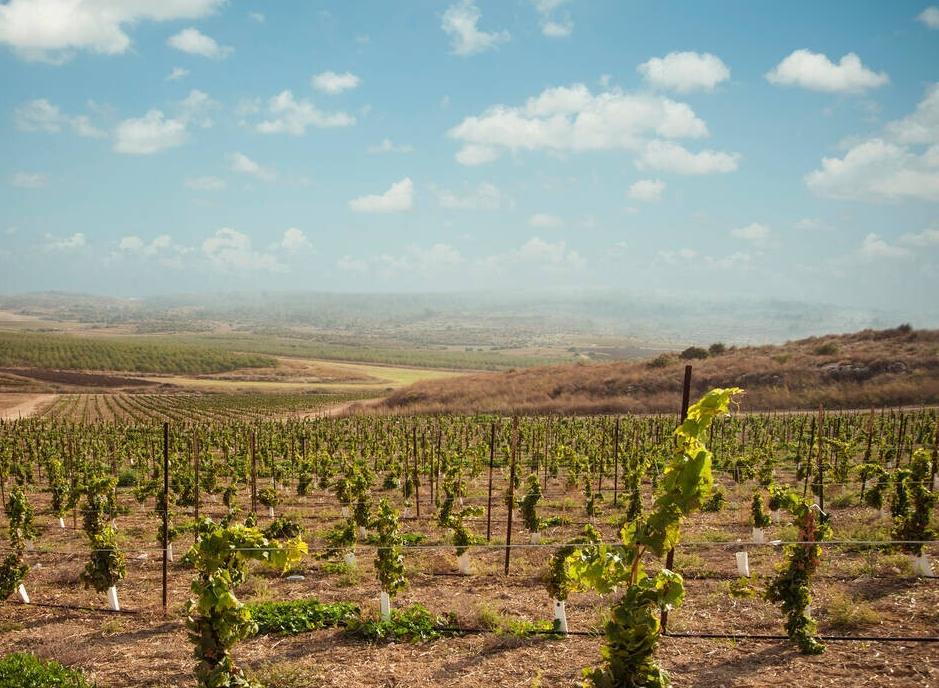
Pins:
x: 767, y: 150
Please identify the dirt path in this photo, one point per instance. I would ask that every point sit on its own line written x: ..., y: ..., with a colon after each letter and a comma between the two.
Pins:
x: 24, y: 405
x: 345, y: 408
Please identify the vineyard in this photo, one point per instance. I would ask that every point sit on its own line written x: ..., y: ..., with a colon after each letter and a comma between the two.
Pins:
x: 189, y: 408
x: 208, y: 540
x: 66, y: 352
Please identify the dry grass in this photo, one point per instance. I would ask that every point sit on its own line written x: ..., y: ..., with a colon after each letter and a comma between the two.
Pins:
x: 868, y: 368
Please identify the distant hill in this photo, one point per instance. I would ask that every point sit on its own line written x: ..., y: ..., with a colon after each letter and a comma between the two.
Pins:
x: 867, y: 368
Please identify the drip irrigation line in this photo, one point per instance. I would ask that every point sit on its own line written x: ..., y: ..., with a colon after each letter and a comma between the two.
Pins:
x: 528, y: 545
x: 49, y: 605
x: 771, y: 636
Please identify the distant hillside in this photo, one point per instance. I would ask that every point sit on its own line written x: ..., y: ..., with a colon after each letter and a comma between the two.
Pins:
x: 868, y: 368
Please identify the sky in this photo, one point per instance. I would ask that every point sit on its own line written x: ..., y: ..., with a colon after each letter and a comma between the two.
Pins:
x: 726, y: 149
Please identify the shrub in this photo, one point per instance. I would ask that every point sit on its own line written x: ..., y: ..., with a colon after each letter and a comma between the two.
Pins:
x: 300, y: 616
x: 693, y: 352
x: 717, y: 348
x: 661, y: 361
x: 25, y: 670
x: 826, y: 349
x: 414, y: 623
x: 127, y: 478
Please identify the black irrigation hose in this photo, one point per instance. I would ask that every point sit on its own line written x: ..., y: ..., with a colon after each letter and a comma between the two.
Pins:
x: 534, y: 631
x: 99, y: 610
x: 767, y: 636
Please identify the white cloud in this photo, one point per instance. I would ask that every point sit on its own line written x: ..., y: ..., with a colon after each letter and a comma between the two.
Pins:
x: 194, y: 42
x: 900, y: 164
x: 878, y: 170
x: 28, y: 180
x: 812, y: 224
x: 545, y: 221
x: 755, y: 232
x: 149, y: 134
x: 241, y: 163
x: 257, y: 17
x: 398, y: 198
x: 294, y: 240
x: 437, y: 259
x: 925, y: 239
x: 930, y: 17
x: 70, y: 243
x: 547, y: 256
x: 229, y: 249
x: 553, y: 27
x: 671, y: 157
x: 350, y: 264
x: 683, y: 255
x: 816, y: 72
x: 460, y: 22
x: 473, y: 154
x: 685, y: 71
x: 647, y: 190
x: 922, y: 126
x: 874, y: 247
x: 52, y: 30
x: 388, y: 146
x: 332, y: 83
x: 690, y: 259
x: 177, y: 74
x: 486, y: 196
x: 291, y: 116
x: 195, y: 109
x: 557, y: 29
x: 41, y: 115
x: 573, y: 119
x: 204, y: 183
x: 135, y: 245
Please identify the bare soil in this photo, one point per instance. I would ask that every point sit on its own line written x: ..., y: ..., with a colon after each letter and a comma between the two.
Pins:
x: 24, y: 405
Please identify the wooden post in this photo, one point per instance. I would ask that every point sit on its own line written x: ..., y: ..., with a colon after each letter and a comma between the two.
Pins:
x: 254, y: 473
x: 615, y: 462
x: 935, y: 453
x: 511, y: 500
x: 166, y: 509
x: 821, y: 465
x: 670, y: 557
x: 417, y: 476
x: 492, y: 454
x: 195, y: 456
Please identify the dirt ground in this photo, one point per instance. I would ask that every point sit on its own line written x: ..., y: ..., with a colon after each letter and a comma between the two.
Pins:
x: 857, y: 593
x: 14, y: 405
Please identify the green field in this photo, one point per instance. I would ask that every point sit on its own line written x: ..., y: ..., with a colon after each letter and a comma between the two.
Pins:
x: 65, y: 352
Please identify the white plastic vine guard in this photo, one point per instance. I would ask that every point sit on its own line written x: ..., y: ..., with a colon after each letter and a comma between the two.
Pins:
x: 775, y: 515
x: 349, y: 558
x: 23, y: 594
x: 560, y: 615
x: 363, y: 533
x: 384, y: 605
x: 757, y: 536
x: 921, y: 566
x: 169, y: 552
x: 534, y: 538
x: 406, y: 512
x: 463, y: 562
x: 344, y: 512
x: 743, y: 564
x: 114, y: 603
x: 270, y: 511
x: 61, y: 522
x: 935, y: 482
